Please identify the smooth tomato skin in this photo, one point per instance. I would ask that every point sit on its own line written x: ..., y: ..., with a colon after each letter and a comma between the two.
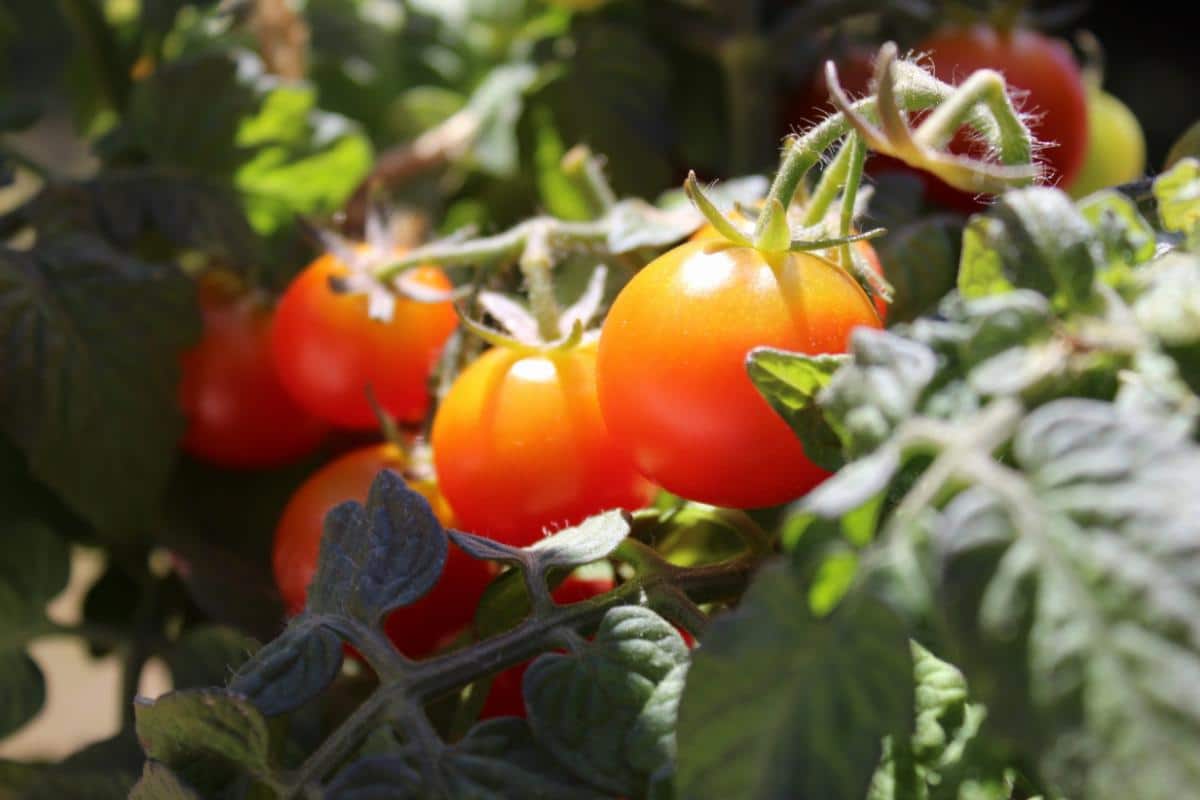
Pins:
x: 1040, y: 66
x: 672, y: 367
x: 327, y: 350
x: 864, y: 247
x: 238, y: 413
x: 520, y: 446
x: 1116, y: 146
x: 416, y: 629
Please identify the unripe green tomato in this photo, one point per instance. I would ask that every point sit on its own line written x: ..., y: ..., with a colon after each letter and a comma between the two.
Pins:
x: 1117, y: 148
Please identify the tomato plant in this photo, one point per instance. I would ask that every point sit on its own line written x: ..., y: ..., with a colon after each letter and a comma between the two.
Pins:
x: 416, y: 629
x: 1043, y: 69
x: 671, y: 368
x: 521, y: 448
x: 328, y: 351
x: 239, y: 414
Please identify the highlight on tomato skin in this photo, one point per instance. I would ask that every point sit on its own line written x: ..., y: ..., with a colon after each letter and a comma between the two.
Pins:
x: 327, y: 350
x: 415, y: 629
x: 238, y: 413
x: 672, y: 374
x: 521, y: 448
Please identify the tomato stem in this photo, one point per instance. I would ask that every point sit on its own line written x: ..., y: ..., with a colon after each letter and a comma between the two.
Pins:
x: 828, y: 186
x: 857, y: 157
x: 536, y: 263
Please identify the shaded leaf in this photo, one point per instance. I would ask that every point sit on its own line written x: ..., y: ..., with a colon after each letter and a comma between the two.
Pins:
x: 378, y: 557
x: 204, y: 734
x: 22, y: 687
x: 588, y: 708
x: 91, y: 355
x: 35, y: 566
x: 920, y: 260
x: 291, y: 670
x: 751, y: 724
x: 158, y: 782
x: 208, y: 655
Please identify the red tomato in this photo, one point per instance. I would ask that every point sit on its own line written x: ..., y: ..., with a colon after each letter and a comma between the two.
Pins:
x: 328, y: 351
x: 238, y: 413
x: 520, y: 446
x: 416, y: 629
x: 1043, y: 68
x: 672, y: 366
x: 865, y: 249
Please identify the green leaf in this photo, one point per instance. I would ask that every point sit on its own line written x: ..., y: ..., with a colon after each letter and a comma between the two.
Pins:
x: 497, y: 102
x: 1032, y: 238
x: 36, y: 566
x: 22, y: 687
x: 292, y: 669
x: 92, y: 341
x: 1075, y: 602
x: 158, y: 782
x: 1125, y: 235
x: 889, y: 376
x: 920, y: 259
x: 501, y: 758
x: 614, y: 94
x: 790, y: 382
x: 595, y: 709
x: 1169, y: 304
x: 208, y: 655
x: 189, y: 211
x: 781, y: 704
x: 84, y: 784
x: 378, y: 557
x: 204, y: 735
x: 1178, y: 193
x: 379, y: 777
x: 114, y: 600
x: 634, y: 223
x: 590, y: 540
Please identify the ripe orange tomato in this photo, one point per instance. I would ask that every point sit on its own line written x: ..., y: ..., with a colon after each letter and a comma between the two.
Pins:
x: 328, y: 351
x: 520, y: 446
x: 238, y: 413
x: 709, y: 233
x: 416, y: 629
x: 672, y: 366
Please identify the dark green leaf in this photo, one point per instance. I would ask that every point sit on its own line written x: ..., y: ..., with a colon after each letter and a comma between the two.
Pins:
x: 89, y: 784
x: 753, y: 723
x: 92, y: 344
x: 500, y: 758
x: 920, y: 260
x: 192, y: 212
x: 204, y: 734
x: 208, y: 655
x: 22, y: 687
x: 614, y: 96
x: 593, y: 709
x: 1033, y: 238
x: 791, y: 382
x: 292, y: 669
x: 34, y: 565
x: 113, y: 600
x: 380, y: 778
x: 378, y: 557
x: 158, y: 782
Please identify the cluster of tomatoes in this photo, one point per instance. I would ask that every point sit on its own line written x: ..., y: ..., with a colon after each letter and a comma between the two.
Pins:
x: 532, y: 438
